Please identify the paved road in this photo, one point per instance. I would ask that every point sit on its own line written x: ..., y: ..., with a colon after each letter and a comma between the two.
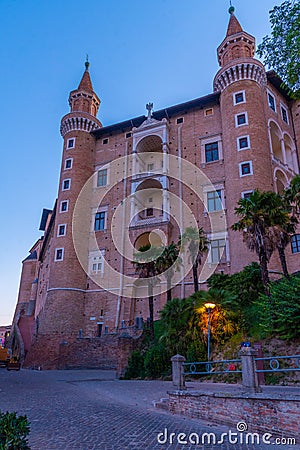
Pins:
x: 91, y: 410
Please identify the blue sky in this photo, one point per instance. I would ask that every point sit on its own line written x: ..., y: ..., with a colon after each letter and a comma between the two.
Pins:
x: 163, y: 51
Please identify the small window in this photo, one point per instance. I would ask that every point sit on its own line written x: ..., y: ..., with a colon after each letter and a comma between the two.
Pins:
x: 208, y: 112
x: 71, y: 143
x: 211, y: 152
x: 100, y: 221
x: 105, y: 141
x: 102, y: 177
x: 150, y: 167
x: 271, y: 101
x: 217, y: 248
x: 245, y: 168
x: 59, y: 254
x: 247, y: 194
x: 239, y: 97
x: 61, y: 230
x: 214, y: 202
x: 243, y: 142
x: 64, y: 206
x: 68, y: 163
x: 179, y: 120
x: 241, y: 119
x: 66, y: 184
x: 128, y: 135
x: 149, y: 212
x: 284, y: 114
x: 295, y: 243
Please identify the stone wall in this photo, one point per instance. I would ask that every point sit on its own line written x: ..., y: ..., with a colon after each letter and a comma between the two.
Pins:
x: 263, y: 413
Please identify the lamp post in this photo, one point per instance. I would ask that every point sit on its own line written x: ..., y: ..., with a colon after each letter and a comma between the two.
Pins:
x: 209, y: 307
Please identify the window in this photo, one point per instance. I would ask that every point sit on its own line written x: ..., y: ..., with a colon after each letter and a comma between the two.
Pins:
x: 66, y: 184
x: 71, y: 143
x: 246, y: 194
x: 295, y: 243
x: 211, y: 152
x: 284, y: 114
x: 271, y: 101
x: 102, y: 177
x: 217, y: 248
x: 61, y: 230
x: 105, y: 141
x: 208, y: 112
x: 68, y: 163
x: 128, y: 135
x: 149, y: 212
x: 100, y: 221
x: 96, y: 262
x: 64, y: 206
x: 243, y: 143
x: 179, y: 120
x: 150, y: 167
x: 245, y: 168
x: 214, y: 200
x: 59, y: 254
x: 241, y: 119
x: 239, y: 97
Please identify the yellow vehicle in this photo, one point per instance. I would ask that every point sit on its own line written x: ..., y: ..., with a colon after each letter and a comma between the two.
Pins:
x: 4, y: 357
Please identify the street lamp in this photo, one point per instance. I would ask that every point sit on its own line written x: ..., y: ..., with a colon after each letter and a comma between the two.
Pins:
x: 209, y: 307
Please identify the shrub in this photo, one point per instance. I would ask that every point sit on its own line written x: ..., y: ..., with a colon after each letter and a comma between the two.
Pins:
x: 13, y: 431
x: 157, y: 361
x: 135, y: 367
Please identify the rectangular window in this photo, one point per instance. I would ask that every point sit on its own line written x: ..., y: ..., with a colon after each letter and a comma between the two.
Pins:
x: 245, y: 168
x: 179, y: 120
x: 102, y: 178
x: 61, y: 230
x: 100, y: 221
x: 208, y: 112
x: 59, y: 254
x: 150, y: 167
x: 243, y: 143
x: 239, y: 97
x: 128, y: 135
x: 71, y: 143
x: 211, y: 152
x: 284, y: 114
x: 68, y: 163
x: 149, y: 212
x: 64, y: 206
x: 271, y: 101
x: 214, y: 202
x: 66, y: 184
x: 96, y: 264
x: 105, y: 141
x: 295, y: 243
x: 217, y: 248
x: 241, y: 119
x: 246, y: 194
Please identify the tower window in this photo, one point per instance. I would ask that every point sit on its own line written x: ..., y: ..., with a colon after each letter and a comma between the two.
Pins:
x: 71, y: 143
x: 284, y: 114
x: 208, y: 112
x: 68, y: 163
x: 211, y: 152
x: 149, y: 212
x: 128, y: 135
x: 241, y: 119
x: 271, y: 101
x: 102, y: 177
x: 66, y: 184
x: 295, y: 243
x: 100, y: 221
x: 245, y: 168
x: 179, y: 120
x: 214, y: 202
x: 243, y: 143
x: 61, y: 230
x: 64, y: 206
x: 59, y: 254
x: 239, y: 97
x: 105, y: 141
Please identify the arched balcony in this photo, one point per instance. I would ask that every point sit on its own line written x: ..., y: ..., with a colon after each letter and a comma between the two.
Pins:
x: 281, y: 181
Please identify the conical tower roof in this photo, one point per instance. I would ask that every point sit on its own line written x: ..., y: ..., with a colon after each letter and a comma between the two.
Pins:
x: 234, y: 25
x: 86, y: 82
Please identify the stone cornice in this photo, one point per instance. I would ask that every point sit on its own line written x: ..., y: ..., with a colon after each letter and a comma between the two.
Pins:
x: 246, y: 69
x: 79, y: 122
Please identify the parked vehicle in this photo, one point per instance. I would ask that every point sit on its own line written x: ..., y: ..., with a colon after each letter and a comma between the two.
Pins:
x: 4, y: 356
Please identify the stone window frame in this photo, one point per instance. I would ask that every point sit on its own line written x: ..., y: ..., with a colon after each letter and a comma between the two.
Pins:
x: 68, y: 143
x: 58, y: 229
x: 65, y: 166
x: 245, y: 193
x: 210, y: 140
x: 95, y: 211
x: 225, y: 258
x: 96, y: 257
x: 235, y: 103
x: 238, y: 142
x: 270, y: 94
x: 61, y: 203
x: 240, y: 169
x: 206, y: 114
x: 207, y: 189
x: 63, y: 188
x: 61, y: 251
x: 98, y: 169
x: 295, y: 244
x: 284, y: 108
x: 237, y: 125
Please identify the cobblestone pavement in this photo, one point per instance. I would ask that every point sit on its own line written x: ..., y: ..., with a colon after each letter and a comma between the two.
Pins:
x: 91, y: 410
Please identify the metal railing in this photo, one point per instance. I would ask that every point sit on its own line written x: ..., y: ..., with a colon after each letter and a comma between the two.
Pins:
x: 274, y: 364
x: 213, y: 367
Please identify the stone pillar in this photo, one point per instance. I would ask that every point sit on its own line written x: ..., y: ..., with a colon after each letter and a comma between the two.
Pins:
x: 249, y: 375
x: 165, y: 205
x: 177, y: 371
x: 165, y: 159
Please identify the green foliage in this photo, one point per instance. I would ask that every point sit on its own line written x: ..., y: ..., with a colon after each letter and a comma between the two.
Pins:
x: 13, y: 431
x: 280, y: 51
x: 157, y: 361
x: 280, y: 313
x: 135, y: 367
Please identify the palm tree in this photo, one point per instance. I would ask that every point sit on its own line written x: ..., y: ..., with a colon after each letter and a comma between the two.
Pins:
x: 167, y: 263
x: 197, y: 243
x: 292, y: 196
x: 145, y: 262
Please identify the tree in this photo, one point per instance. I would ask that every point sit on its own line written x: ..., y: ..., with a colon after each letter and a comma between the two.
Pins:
x: 197, y: 243
x: 280, y: 51
x: 292, y: 197
x: 167, y: 263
